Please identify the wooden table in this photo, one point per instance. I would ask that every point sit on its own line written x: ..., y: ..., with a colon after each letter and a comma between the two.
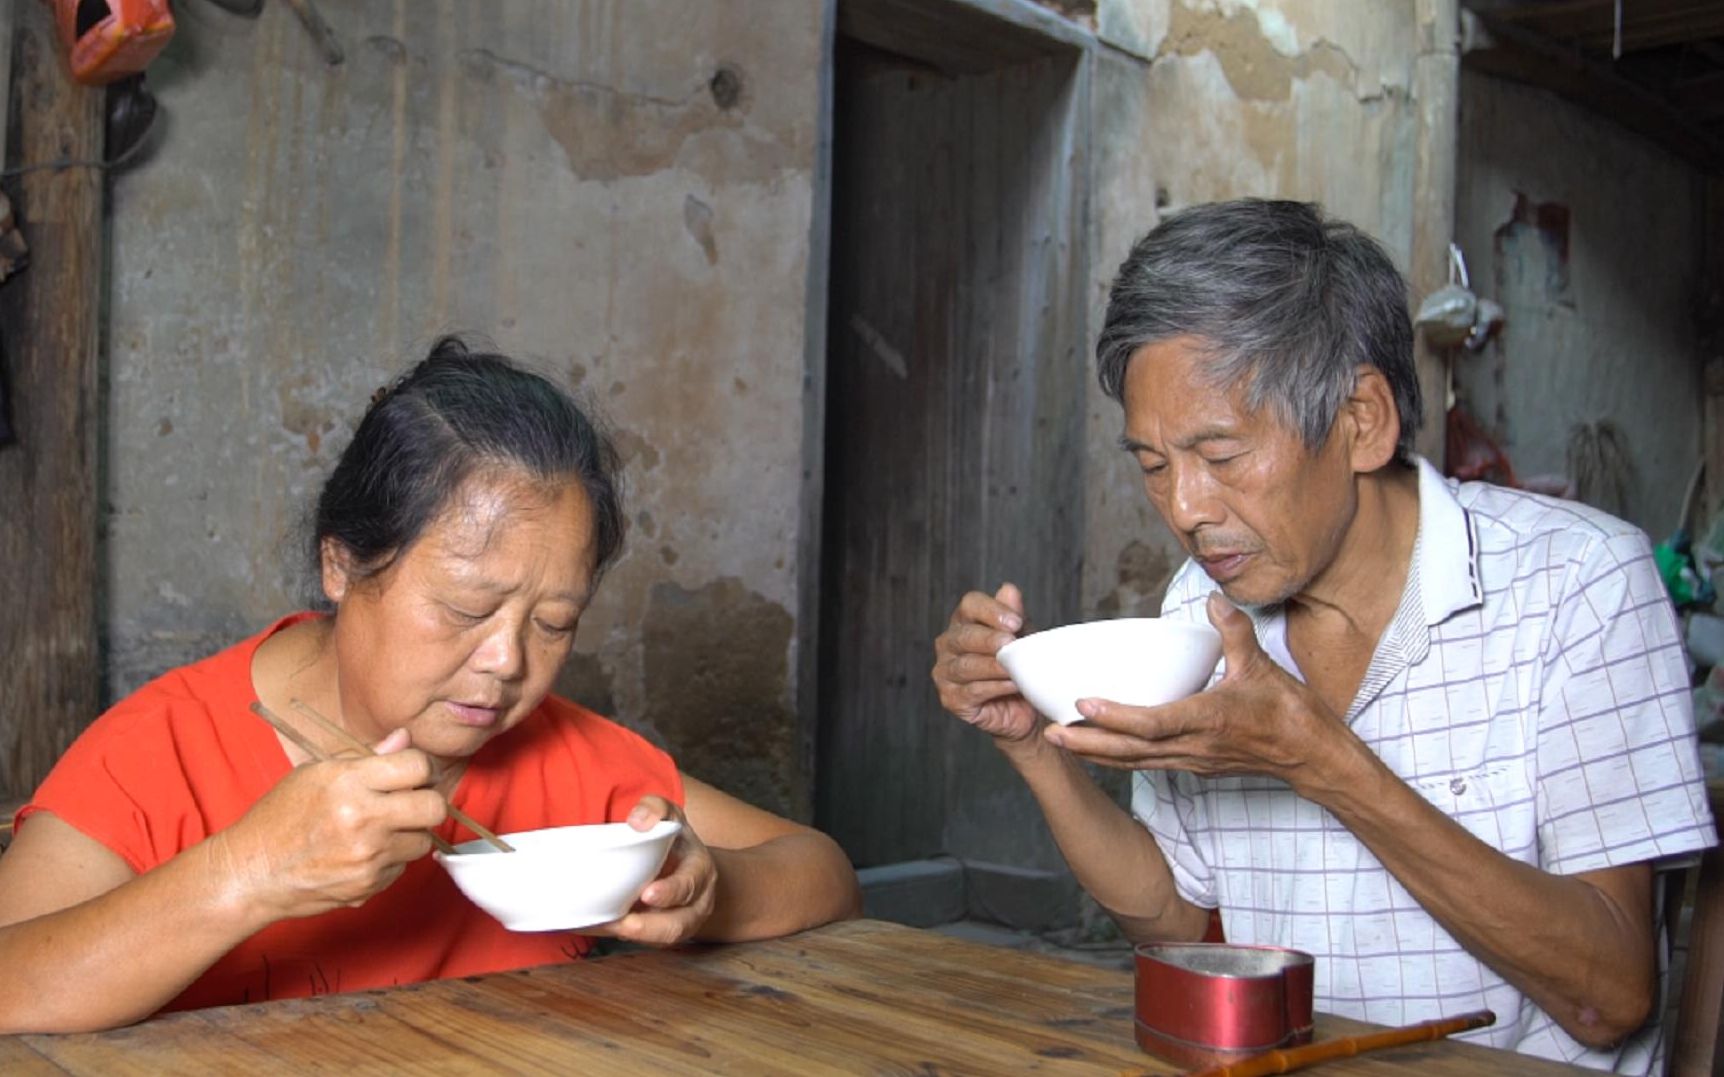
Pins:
x: 857, y: 997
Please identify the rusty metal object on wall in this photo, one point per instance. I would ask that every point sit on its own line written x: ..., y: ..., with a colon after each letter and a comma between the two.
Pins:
x: 14, y: 255
x: 6, y: 436
x: 14, y: 252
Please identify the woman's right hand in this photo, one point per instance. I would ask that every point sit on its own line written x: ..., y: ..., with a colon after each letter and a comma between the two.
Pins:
x: 971, y: 682
x: 333, y: 833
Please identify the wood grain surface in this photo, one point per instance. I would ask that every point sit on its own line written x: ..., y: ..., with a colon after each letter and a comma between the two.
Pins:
x: 50, y: 318
x: 857, y: 997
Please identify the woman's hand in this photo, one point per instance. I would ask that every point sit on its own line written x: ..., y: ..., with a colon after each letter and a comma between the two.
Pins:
x: 674, y: 906
x: 333, y: 833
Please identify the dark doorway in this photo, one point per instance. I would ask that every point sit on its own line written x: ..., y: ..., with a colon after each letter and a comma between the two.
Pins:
x: 956, y: 379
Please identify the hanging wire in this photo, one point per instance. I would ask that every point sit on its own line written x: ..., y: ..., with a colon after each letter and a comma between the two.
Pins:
x: 68, y: 162
x: 131, y: 116
x: 1458, y: 266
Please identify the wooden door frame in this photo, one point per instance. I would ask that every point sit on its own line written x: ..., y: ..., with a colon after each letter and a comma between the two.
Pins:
x: 50, y: 663
x: 1023, y: 29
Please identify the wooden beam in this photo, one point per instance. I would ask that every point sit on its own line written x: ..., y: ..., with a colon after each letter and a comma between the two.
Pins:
x: 49, y: 663
x: 1436, y: 95
x: 1591, y: 24
x: 7, y: 21
x: 810, y: 548
x: 1509, y: 51
x: 1695, y: 1045
x: 962, y: 36
x: 1699, y: 99
x: 1712, y: 352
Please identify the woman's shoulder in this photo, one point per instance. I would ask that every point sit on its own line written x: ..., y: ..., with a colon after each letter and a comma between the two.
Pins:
x: 169, y: 763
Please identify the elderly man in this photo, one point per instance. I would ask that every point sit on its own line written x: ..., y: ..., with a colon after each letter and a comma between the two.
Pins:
x: 1451, y: 733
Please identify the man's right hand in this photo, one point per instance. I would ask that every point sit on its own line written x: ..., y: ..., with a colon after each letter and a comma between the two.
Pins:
x: 971, y: 682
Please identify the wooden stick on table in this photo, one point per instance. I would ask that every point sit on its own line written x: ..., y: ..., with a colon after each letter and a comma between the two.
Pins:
x: 1289, y: 1059
x: 360, y: 746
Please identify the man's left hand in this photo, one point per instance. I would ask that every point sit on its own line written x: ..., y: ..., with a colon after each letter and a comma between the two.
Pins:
x: 1257, y: 719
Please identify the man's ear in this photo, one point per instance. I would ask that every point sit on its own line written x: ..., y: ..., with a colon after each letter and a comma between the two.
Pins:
x: 335, y: 564
x: 1373, y: 422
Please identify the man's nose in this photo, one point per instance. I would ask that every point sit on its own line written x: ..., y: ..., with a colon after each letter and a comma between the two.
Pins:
x: 1191, y: 500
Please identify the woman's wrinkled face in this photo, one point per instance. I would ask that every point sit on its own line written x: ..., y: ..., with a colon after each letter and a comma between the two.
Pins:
x: 462, y: 636
x: 1259, y: 511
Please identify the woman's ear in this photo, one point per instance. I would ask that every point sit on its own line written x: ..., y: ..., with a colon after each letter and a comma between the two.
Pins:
x: 335, y: 563
x: 1376, y: 425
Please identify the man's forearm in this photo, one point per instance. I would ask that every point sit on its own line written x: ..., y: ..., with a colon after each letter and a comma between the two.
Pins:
x: 1580, y: 949
x: 1114, y: 858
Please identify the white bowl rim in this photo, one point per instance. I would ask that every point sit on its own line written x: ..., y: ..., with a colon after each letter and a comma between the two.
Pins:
x: 482, y: 849
x: 1204, y: 631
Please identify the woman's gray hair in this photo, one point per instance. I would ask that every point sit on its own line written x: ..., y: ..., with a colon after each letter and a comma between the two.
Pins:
x: 1286, y: 302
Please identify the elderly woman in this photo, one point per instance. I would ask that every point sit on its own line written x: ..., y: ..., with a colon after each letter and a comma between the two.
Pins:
x: 185, y: 854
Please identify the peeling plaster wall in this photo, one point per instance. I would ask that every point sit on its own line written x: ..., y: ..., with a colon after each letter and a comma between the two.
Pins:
x: 622, y: 191
x: 1200, y: 100
x: 619, y: 191
x: 1598, y: 273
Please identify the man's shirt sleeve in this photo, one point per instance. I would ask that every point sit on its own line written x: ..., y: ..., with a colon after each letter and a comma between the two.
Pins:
x: 1619, y: 777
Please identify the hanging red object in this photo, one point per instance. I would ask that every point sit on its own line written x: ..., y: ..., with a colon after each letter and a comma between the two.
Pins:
x: 1470, y: 454
x: 107, y: 40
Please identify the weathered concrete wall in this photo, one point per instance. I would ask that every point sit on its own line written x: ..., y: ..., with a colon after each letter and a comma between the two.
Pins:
x: 626, y: 191
x: 1590, y: 237
x: 1216, y: 99
x: 619, y: 190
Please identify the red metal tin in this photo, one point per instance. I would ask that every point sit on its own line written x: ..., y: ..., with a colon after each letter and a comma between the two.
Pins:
x: 1200, y: 1003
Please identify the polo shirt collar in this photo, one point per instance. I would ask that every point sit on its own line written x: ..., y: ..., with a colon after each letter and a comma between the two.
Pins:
x: 1445, y: 555
x: 1442, y: 580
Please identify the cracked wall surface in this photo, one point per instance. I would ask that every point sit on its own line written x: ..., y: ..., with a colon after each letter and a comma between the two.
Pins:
x: 1201, y: 100
x: 621, y: 192
x: 1590, y: 238
x: 617, y: 191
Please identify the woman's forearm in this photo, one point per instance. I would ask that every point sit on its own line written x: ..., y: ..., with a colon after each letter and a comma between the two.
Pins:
x: 790, y: 883
x: 122, y: 955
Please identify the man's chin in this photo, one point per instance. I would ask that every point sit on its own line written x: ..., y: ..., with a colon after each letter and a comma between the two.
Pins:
x: 1252, y: 594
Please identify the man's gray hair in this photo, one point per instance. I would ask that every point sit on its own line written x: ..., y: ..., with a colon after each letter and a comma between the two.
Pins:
x: 1287, y: 303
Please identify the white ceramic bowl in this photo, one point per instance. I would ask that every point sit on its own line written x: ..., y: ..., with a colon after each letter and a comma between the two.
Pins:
x: 1141, y: 661
x: 562, y: 878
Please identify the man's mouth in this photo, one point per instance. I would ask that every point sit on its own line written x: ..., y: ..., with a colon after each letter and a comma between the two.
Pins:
x: 1223, y: 566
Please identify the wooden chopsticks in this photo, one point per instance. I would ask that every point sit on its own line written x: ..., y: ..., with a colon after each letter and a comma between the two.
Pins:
x: 311, y: 749
x: 360, y: 746
x: 1288, y: 1059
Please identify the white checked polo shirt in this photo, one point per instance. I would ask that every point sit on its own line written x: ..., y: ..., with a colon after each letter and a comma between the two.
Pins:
x: 1531, y: 686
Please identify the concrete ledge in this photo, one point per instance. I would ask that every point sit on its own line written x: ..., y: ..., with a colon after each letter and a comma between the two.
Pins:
x: 1025, y: 899
x: 919, y: 893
